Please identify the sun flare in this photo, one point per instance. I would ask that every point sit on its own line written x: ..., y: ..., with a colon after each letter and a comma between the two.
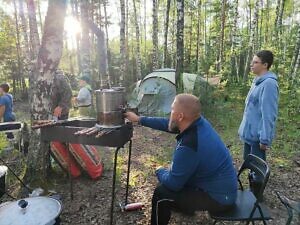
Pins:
x: 72, y: 28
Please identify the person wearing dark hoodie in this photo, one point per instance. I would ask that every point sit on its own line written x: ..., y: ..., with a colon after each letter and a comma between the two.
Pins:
x: 257, y: 128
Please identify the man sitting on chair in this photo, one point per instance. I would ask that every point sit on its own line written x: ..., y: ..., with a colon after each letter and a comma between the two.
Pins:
x: 202, y: 175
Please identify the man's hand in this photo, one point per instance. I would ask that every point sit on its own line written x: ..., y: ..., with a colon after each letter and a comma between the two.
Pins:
x: 158, y: 168
x: 264, y: 147
x: 132, y: 117
x: 57, y: 111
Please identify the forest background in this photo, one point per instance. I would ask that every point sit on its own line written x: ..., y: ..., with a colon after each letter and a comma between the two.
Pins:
x: 120, y: 42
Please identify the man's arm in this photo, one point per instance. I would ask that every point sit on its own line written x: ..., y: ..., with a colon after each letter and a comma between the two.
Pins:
x: 152, y: 122
x: 66, y: 93
x: 2, y: 110
x: 269, y: 109
x: 184, y: 165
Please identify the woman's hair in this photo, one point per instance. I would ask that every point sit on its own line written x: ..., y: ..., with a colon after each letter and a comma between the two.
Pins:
x: 5, y: 87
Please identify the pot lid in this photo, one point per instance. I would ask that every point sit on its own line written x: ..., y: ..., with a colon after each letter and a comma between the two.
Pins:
x: 34, y: 211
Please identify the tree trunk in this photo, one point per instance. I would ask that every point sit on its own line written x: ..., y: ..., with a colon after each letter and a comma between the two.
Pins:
x: 48, y: 59
x: 26, y: 45
x: 34, y: 34
x: 173, y: 37
x: 145, y: 32
x: 221, y: 48
x: 122, y: 43
x: 166, y: 31
x: 106, y: 34
x: 155, y: 35
x: 138, y: 50
x: 198, y: 36
x: 190, y: 38
x: 102, y: 54
x: 75, y: 12
x: 40, y: 15
x: 85, y: 40
x: 35, y: 46
x: 296, y: 58
x: 18, y: 47
x: 252, y: 42
x: 234, y: 55
x: 180, y: 45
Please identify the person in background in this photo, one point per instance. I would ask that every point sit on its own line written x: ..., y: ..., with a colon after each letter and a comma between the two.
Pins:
x: 201, y: 175
x: 6, y: 107
x: 257, y: 128
x: 61, y: 96
x: 84, y: 98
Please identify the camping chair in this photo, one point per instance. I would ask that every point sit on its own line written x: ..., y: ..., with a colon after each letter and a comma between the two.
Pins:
x: 248, y: 207
x: 290, y: 206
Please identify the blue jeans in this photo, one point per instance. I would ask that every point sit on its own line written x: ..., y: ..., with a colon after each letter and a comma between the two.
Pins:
x: 255, y: 150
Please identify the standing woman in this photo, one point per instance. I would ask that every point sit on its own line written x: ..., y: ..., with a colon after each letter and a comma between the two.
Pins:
x: 84, y: 98
x: 257, y: 128
x: 6, y: 107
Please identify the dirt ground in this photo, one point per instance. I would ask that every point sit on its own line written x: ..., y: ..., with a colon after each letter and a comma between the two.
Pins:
x: 91, y: 203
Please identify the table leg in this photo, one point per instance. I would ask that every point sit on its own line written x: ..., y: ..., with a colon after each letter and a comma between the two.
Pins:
x: 128, y: 171
x: 113, y: 186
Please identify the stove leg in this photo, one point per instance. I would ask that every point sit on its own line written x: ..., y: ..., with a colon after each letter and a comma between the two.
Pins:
x: 113, y: 187
x: 128, y: 171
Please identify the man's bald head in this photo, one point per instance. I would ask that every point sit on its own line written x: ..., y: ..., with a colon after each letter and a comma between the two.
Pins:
x: 189, y: 105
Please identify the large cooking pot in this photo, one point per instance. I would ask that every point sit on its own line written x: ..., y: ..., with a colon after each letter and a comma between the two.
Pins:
x: 3, y: 171
x: 31, y: 211
x: 110, y: 105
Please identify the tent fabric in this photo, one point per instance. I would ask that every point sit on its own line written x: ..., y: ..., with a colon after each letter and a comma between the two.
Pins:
x: 156, y: 92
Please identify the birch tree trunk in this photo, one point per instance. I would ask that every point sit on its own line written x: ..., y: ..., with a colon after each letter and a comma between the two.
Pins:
x: 296, y: 58
x: 138, y: 49
x: 252, y: 47
x: 34, y: 47
x: 122, y: 43
x: 26, y: 45
x: 234, y: 55
x: 40, y: 15
x: 222, y: 32
x: 48, y: 59
x: 155, y: 35
x: 34, y: 34
x: 180, y: 45
x: 75, y: 12
x: 106, y: 34
x: 85, y: 40
x: 102, y: 54
x: 18, y: 47
x: 166, y: 31
x: 190, y: 38
x: 198, y: 36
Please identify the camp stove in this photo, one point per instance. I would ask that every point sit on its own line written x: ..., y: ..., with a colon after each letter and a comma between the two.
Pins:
x: 89, y: 132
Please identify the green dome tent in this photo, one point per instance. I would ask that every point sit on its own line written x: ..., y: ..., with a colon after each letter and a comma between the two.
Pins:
x: 156, y: 92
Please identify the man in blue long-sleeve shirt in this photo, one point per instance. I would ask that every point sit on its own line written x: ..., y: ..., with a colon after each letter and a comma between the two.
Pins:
x: 202, y: 175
